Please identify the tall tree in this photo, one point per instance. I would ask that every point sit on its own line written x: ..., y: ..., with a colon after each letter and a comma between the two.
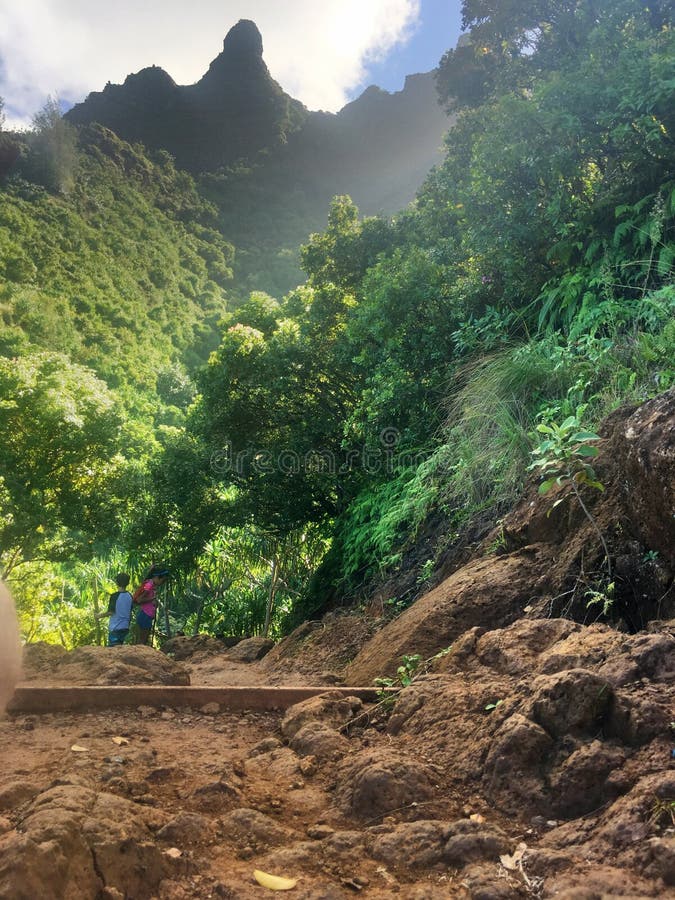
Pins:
x: 53, y: 145
x: 58, y: 460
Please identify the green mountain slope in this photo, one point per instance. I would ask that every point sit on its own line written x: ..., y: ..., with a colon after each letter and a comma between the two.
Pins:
x: 111, y: 290
x: 125, y: 274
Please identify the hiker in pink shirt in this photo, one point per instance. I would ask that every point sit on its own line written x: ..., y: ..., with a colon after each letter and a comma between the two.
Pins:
x: 146, y: 598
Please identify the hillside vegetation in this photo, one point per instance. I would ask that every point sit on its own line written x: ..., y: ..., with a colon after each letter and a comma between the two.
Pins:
x: 399, y: 391
x: 113, y: 282
x: 371, y: 420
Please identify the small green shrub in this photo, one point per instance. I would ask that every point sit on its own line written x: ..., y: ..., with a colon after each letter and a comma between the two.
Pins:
x: 563, y: 455
x: 562, y: 458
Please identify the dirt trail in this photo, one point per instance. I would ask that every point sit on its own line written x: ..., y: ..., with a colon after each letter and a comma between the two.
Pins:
x: 532, y: 757
x: 178, y: 804
x: 440, y: 799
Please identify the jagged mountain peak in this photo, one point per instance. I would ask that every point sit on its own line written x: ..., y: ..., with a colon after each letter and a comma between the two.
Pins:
x: 241, y: 59
x: 234, y: 111
x: 237, y: 111
x: 243, y: 39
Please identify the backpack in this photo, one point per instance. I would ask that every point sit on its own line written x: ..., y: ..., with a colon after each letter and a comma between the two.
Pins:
x: 112, y: 603
x: 137, y: 594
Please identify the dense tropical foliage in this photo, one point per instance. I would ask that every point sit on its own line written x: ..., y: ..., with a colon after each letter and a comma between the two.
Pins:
x: 287, y: 451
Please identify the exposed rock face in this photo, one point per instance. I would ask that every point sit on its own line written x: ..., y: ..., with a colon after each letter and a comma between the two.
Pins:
x: 372, y: 783
x: 548, y: 551
x: 74, y: 841
x: 645, y: 444
x: 331, y: 709
x: 572, y: 702
x: 313, y: 727
x: 319, y: 741
x: 559, y: 744
x: 427, y: 843
x: 491, y: 590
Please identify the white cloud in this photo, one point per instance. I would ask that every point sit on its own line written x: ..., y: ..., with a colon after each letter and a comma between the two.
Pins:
x: 317, y: 49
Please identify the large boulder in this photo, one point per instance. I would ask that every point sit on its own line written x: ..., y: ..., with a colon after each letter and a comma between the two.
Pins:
x: 372, y: 783
x: 492, y: 590
x: 644, y: 443
x: 74, y: 842
x: 576, y: 701
x: 250, y: 649
x: 330, y: 709
x: 581, y: 784
x: 515, y: 766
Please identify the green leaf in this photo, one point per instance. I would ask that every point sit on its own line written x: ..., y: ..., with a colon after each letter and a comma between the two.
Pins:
x: 665, y: 263
x: 585, y: 436
x: 546, y: 486
x: 544, y: 429
x: 587, y: 451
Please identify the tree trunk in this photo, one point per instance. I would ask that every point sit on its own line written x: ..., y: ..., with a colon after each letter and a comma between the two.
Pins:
x: 200, y: 613
x: 13, y: 560
x: 270, y: 596
x: 167, y: 624
x: 97, y: 612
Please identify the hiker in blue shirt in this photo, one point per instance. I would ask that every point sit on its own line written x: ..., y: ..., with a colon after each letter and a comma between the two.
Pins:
x: 119, y: 610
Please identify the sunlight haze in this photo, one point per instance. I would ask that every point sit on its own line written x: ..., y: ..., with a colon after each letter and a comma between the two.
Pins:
x: 320, y: 54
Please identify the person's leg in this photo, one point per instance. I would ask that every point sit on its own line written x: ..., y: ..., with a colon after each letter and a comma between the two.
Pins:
x: 116, y: 638
x: 144, y: 623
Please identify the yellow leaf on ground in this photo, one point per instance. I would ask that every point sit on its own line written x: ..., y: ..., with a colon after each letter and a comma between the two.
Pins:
x: 120, y: 741
x: 77, y: 749
x: 274, y: 882
x: 174, y: 853
x: 513, y: 862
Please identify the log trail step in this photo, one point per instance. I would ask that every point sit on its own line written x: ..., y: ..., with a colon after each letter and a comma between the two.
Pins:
x: 60, y: 698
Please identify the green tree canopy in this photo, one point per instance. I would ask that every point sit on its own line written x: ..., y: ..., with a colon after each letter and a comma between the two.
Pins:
x: 58, y: 459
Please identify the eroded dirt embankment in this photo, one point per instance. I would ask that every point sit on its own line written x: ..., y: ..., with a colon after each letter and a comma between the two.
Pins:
x: 533, y: 759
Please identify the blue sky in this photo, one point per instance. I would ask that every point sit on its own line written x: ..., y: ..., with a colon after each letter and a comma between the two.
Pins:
x: 439, y: 25
x: 323, y: 53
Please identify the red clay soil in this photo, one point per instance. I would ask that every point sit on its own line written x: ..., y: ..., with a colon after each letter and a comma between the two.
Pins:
x: 532, y: 757
x: 531, y: 761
